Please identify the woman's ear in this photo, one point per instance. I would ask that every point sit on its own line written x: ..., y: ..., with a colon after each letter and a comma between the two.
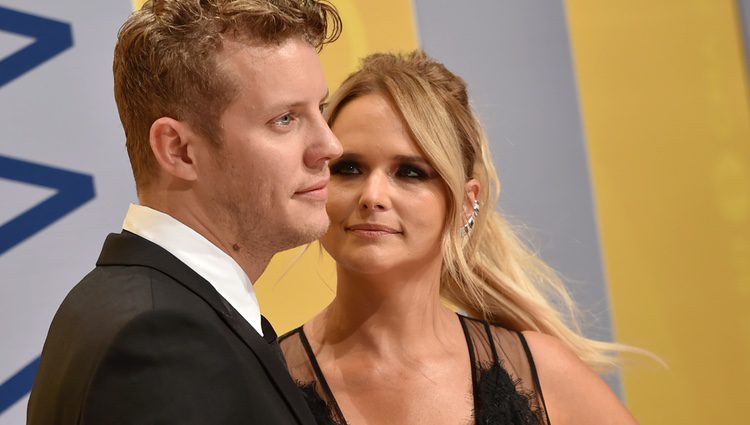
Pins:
x: 471, y: 189
x: 172, y: 144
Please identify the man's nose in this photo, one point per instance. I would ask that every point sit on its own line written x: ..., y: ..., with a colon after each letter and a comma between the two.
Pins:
x: 324, y: 146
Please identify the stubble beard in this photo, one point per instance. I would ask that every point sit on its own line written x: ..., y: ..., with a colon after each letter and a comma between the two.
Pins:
x: 271, y: 233
x: 290, y: 234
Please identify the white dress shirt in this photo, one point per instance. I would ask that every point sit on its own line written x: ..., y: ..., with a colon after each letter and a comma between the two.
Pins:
x: 205, y: 258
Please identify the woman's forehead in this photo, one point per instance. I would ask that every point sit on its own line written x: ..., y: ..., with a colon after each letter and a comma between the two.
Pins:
x: 370, y: 125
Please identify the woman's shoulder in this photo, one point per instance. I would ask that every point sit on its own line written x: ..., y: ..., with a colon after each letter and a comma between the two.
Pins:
x: 550, y: 351
x: 558, y: 365
x: 573, y: 392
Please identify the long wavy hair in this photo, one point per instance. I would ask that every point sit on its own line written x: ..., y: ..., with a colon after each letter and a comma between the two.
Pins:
x: 489, y: 272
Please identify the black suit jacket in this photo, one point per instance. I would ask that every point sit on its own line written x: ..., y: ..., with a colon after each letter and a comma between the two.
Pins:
x: 143, y: 339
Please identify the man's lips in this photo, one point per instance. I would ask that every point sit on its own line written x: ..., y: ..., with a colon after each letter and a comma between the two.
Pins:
x: 317, y: 191
x: 371, y: 230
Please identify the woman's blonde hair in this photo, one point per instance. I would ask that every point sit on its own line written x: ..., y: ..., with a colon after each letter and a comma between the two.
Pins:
x: 488, y: 273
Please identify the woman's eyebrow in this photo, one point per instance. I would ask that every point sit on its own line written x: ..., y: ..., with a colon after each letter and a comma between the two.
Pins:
x: 410, y: 158
x: 350, y: 156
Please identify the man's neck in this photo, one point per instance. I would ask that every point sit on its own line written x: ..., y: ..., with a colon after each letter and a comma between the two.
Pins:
x: 252, y: 257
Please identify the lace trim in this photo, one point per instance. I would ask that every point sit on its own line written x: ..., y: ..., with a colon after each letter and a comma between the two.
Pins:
x: 323, y: 412
x: 500, y: 399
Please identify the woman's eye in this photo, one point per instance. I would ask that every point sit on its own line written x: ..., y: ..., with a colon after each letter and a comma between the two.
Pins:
x: 323, y: 107
x: 412, y: 173
x: 345, y: 168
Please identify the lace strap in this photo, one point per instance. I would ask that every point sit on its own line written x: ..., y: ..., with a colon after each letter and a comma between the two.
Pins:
x: 319, y: 373
x: 534, y: 374
x: 473, y: 361
x: 491, y: 342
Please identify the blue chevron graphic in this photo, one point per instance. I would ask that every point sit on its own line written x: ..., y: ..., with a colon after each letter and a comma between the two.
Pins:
x: 18, y: 385
x: 73, y: 190
x: 52, y: 38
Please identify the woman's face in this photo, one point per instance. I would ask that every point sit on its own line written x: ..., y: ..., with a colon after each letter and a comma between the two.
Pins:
x: 387, y: 205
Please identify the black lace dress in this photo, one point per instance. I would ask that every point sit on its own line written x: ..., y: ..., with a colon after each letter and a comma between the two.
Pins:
x: 505, y: 384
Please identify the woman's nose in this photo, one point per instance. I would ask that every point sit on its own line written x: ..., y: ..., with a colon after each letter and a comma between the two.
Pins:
x: 375, y: 196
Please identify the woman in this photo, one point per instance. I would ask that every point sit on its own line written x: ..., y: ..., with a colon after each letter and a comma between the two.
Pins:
x: 412, y: 221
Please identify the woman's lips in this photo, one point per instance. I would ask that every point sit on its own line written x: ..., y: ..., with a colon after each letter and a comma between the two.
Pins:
x: 371, y: 230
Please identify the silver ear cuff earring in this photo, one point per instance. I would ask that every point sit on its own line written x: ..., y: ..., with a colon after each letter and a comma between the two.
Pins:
x: 472, y: 219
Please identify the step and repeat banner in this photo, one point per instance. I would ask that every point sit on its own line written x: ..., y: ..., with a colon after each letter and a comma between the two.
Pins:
x: 621, y: 132
x: 64, y: 180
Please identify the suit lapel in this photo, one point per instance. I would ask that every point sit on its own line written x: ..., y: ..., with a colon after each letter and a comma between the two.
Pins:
x: 128, y: 249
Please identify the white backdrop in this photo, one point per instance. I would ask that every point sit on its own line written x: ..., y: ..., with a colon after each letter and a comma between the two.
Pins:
x: 58, y: 129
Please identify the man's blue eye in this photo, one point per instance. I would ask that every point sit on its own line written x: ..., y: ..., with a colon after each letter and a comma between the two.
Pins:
x: 285, y: 120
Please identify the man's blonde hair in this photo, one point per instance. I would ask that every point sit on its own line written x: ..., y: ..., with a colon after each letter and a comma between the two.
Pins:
x: 165, y: 61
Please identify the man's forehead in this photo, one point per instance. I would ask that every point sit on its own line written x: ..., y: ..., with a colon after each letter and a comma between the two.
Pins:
x: 288, y: 74
x: 253, y: 52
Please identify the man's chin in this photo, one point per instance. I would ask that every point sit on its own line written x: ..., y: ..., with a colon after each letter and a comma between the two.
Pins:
x: 311, y: 230
x: 316, y: 230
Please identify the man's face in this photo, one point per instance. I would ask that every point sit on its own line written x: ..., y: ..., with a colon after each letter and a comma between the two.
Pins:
x: 266, y: 184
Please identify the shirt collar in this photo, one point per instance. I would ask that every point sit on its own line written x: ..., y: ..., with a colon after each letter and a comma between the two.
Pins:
x: 205, y: 258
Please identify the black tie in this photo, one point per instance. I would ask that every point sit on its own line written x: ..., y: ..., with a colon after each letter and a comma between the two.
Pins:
x: 268, y: 333
x: 271, y: 338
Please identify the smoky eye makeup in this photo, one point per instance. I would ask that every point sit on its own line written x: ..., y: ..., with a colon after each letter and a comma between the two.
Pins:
x: 345, y: 167
x: 413, y: 171
x: 407, y: 168
x: 414, y: 167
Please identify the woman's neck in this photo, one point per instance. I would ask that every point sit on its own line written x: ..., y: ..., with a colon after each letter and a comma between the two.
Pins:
x: 384, y: 313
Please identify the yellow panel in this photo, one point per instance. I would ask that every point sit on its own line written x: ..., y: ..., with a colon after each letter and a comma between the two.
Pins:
x: 296, y: 285
x: 369, y: 26
x: 664, y: 94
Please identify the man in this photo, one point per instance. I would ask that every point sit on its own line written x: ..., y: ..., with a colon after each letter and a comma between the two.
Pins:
x: 221, y: 105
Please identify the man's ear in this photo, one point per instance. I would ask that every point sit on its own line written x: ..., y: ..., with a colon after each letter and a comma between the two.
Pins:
x: 471, y: 189
x: 172, y: 144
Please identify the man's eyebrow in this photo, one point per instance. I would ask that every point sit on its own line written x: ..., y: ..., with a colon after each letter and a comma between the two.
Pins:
x: 293, y: 105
